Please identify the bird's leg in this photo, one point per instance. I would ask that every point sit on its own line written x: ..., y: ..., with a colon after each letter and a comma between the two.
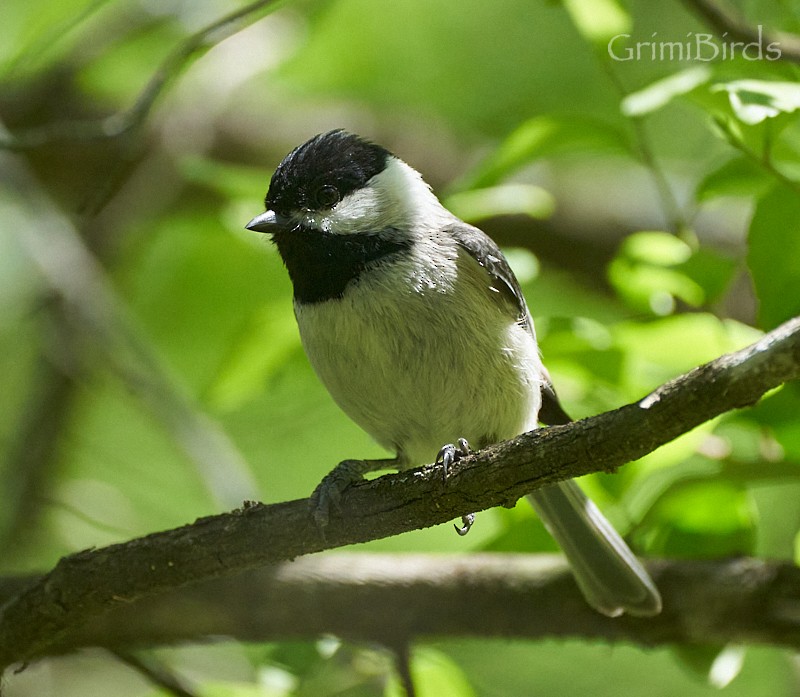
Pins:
x: 328, y: 493
x: 448, y: 455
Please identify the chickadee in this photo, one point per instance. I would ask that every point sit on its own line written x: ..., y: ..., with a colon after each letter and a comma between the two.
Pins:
x: 417, y: 326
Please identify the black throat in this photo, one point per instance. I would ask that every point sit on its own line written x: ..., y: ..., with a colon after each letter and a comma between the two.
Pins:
x: 322, y: 264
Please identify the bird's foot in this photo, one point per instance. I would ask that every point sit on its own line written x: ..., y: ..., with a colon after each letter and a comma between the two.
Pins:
x: 328, y: 494
x: 466, y: 524
x: 448, y: 455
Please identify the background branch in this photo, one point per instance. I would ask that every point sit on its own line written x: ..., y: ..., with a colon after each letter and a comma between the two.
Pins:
x: 89, y: 583
x: 95, y: 328
x: 724, y: 20
x: 125, y: 121
x: 394, y: 599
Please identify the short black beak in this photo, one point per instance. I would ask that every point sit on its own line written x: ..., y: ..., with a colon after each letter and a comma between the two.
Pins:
x: 268, y: 222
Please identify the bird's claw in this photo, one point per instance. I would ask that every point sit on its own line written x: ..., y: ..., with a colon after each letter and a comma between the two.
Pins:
x: 448, y: 455
x: 466, y: 524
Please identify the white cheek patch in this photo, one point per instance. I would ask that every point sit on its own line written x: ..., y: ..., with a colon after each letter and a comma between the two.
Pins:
x: 397, y: 197
x: 356, y: 212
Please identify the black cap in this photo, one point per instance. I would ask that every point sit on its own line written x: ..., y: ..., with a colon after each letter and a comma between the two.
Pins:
x: 319, y: 173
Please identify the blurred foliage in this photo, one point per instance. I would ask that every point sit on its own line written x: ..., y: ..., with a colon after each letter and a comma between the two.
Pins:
x: 659, y: 204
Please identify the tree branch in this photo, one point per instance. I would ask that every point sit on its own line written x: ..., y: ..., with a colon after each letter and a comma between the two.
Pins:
x: 84, y: 585
x: 394, y: 599
x: 736, y: 27
x: 126, y: 120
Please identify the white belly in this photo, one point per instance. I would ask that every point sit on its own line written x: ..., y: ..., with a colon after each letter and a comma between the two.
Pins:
x: 416, y: 369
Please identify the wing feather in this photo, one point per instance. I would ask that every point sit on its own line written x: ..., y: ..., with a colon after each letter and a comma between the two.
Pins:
x: 502, y: 280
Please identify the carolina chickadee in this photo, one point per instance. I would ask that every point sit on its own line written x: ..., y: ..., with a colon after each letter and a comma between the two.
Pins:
x: 407, y: 314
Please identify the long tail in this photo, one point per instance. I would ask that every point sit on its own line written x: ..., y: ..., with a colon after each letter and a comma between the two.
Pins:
x: 609, y: 575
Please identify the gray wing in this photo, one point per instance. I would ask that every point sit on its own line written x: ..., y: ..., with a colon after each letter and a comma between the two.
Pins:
x: 483, y: 250
x: 608, y: 573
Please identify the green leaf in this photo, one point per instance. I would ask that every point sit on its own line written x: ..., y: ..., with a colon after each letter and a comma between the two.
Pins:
x: 708, y: 519
x: 753, y: 101
x: 737, y: 177
x: 797, y: 548
x: 644, y: 273
x: 659, y: 349
x: 543, y: 136
x: 434, y: 675
x: 523, y: 263
x: 231, y: 181
x: 653, y: 289
x: 713, y: 271
x: 656, y: 248
x: 662, y: 92
x: 774, y: 255
x: 719, y: 665
x: 598, y: 20
x: 508, y: 199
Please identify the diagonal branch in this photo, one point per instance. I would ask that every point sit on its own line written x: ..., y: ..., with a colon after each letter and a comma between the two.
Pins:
x: 92, y: 582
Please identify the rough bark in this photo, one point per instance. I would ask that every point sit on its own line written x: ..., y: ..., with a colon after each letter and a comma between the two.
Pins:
x: 85, y: 585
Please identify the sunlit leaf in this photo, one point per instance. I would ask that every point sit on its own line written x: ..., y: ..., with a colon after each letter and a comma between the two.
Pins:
x: 662, y: 92
x: 720, y: 665
x: 644, y: 273
x: 598, y: 20
x: 543, y: 136
x: 753, y: 101
x: 653, y: 288
x: 727, y: 666
x: 654, y: 269
x: 523, y: 262
x: 656, y: 248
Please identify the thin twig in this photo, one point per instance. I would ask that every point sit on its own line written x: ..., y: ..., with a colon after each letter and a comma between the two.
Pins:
x: 97, y: 329
x: 677, y: 219
x: 31, y: 456
x: 764, y: 161
x: 155, y: 672
x: 724, y: 20
x: 134, y: 116
x: 402, y: 665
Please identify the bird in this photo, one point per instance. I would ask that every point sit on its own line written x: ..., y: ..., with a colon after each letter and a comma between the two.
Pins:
x: 417, y: 326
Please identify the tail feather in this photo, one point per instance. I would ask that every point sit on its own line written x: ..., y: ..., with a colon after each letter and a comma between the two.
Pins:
x: 608, y: 573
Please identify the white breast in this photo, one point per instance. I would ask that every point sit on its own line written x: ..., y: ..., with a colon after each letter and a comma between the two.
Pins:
x: 420, y: 355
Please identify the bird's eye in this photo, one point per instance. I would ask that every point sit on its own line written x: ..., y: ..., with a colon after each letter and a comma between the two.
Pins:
x: 327, y: 196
